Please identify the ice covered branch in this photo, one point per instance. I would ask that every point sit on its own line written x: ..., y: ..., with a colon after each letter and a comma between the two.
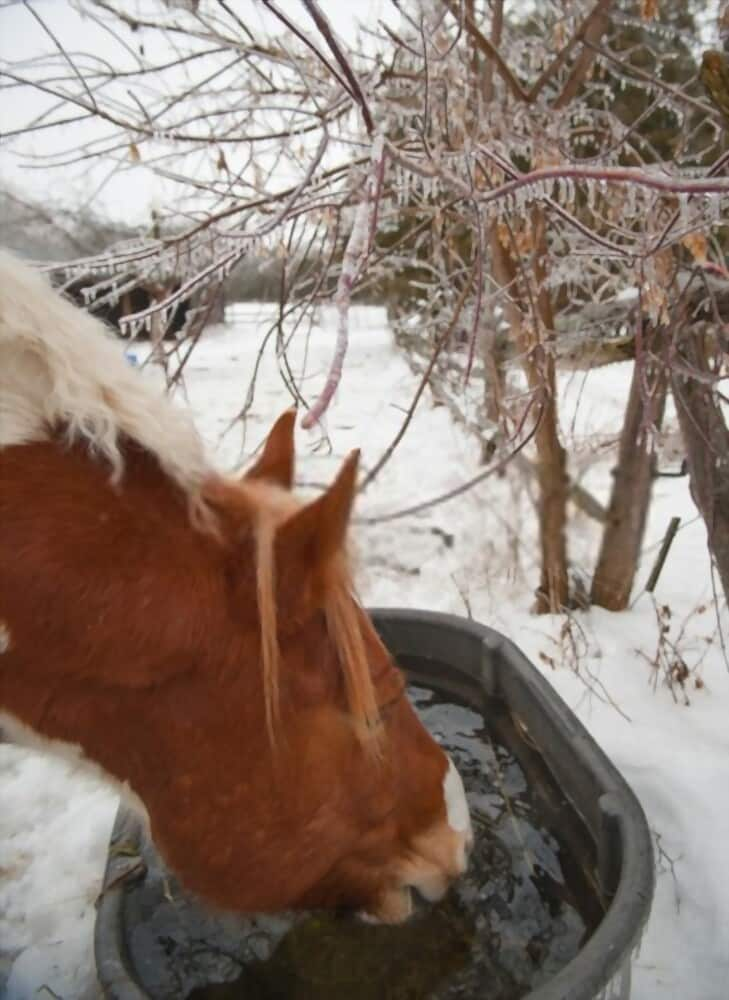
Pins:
x: 606, y: 175
x: 354, y: 256
x: 354, y: 85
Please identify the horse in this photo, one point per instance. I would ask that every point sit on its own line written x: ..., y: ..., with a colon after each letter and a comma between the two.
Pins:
x: 197, y: 637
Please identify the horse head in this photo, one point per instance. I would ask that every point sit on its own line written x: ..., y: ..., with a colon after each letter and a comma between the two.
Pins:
x: 359, y: 805
x: 198, y: 638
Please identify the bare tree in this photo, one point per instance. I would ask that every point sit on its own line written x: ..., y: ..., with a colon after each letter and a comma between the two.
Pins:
x: 544, y: 166
x: 478, y: 159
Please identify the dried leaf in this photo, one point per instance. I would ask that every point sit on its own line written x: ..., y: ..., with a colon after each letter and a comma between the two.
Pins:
x: 648, y: 9
x: 519, y: 238
x: 524, y: 239
x: 549, y: 660
x: 134, y: 154
x: 655, y: 303
x: 696, y: 245
x: 714, y: 75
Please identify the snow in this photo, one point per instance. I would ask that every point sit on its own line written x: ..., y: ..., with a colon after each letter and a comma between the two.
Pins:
x: 475, y: 553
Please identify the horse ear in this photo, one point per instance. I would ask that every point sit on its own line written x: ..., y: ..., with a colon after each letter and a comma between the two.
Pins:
x: 276, y: 463
x: 317, y: 532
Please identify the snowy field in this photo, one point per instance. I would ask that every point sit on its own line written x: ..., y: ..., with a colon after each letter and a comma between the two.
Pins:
x: 477, y: 552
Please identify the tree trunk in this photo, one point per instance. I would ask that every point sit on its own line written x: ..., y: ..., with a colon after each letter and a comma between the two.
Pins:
x: 553, y: 591
x: 706, y: 438
x: 623, y: 535
x: 553, y: 594
x: 493, y: 357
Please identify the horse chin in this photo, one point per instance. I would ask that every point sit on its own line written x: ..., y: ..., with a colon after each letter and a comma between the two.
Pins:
x: 397, y: 905
x: 434, y: 858
x: 394, y: 906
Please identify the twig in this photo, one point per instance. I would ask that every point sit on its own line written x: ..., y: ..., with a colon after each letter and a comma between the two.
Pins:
x: 79, y: 76
x: 463, y: 595
x: 664, y: 862
x: 578, y: 36
x: 490, y: 51
x: 662, y: 554
x: 387, y: 454
x: 355, y: 89
x: 295, y: 30
x: 458, y: 490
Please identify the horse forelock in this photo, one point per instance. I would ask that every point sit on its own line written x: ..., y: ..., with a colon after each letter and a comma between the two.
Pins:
x: 270, y: 507
x: 345, y: 626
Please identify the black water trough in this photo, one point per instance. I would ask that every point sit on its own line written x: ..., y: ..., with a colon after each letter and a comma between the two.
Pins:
x: 581, y: 901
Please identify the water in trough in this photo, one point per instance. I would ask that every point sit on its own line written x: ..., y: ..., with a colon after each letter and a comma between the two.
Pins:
x: 526, y: 906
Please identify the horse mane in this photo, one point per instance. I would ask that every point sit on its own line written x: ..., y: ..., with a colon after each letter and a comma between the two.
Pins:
x: 60, y: 367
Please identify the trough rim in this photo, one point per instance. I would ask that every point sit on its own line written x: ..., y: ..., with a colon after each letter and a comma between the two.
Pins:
x: 623, y: 836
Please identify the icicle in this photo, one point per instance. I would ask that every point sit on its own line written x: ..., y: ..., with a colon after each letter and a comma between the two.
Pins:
x: 683, y: 210
x: 133, y: 326
x: 591, y: 188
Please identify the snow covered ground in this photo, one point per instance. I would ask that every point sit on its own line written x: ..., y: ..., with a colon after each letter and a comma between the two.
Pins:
x: 477, y: 552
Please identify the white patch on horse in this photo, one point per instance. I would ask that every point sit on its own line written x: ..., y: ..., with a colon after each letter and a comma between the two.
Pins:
x: 459, y: 818
x: 58, y: 364
x: 4, y: 637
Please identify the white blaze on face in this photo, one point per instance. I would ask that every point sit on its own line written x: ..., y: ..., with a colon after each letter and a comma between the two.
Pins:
x: 437, y: 855
x: 459, y: 818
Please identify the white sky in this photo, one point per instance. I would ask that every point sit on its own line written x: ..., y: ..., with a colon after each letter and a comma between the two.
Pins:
x: 131, y: 193
x: 134, y: 190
